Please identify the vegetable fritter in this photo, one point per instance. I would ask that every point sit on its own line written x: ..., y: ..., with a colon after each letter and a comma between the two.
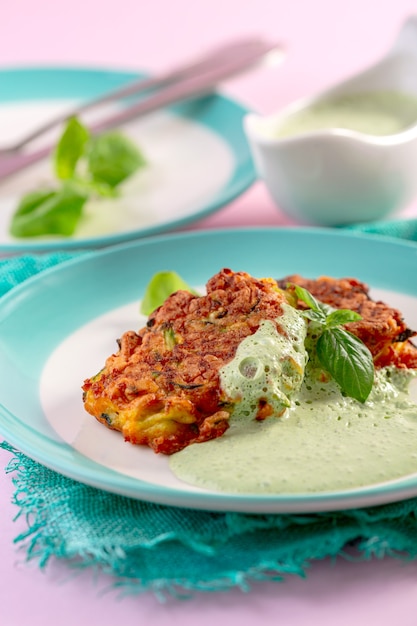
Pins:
x: 382, y: 328
x: 162, y: 387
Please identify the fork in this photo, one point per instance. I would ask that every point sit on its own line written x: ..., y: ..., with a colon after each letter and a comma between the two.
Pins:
x: 190, y: 81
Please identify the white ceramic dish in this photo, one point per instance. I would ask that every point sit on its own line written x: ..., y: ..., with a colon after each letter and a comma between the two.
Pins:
x: 338, y: 176
x: 58, y: 327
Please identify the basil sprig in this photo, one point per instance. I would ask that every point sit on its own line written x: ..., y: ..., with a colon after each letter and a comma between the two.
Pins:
x: 84, y: 167
x: 343, y: 355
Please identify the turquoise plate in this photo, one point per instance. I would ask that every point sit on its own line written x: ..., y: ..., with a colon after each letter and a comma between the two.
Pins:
x: 57, y: 327
x: 198, y: 159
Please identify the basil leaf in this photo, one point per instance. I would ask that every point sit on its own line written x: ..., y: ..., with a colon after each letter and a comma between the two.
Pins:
x: 161, y: 285
x: 348, y: 361
x: 307, y: 298
x: 30, y: 201
x: 112, y: 158
x: 49, y: 212
x: 314, y: 316
x: 341, y: 316
x: 70, y: 148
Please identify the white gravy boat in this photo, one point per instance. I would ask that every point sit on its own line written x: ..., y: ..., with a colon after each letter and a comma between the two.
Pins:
x: 337, y: 176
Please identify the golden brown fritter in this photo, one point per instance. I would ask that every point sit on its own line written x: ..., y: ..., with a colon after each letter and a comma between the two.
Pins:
x: 382, y: 328
x: 162, y: 387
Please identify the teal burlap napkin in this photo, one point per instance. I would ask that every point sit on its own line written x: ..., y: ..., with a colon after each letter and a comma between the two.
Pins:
x: 178, y: 551
x: 401, y: 228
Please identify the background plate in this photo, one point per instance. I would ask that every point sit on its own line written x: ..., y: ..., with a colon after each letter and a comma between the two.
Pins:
x: 46, y: 314
x: 197, y: 154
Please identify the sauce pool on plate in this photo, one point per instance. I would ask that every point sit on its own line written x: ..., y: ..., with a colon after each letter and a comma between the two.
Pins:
x: 323, y: 442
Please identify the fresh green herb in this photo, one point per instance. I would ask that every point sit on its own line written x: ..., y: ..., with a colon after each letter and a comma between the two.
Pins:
x: 170, y: 338
x: 162, y: 285
x: 85, y: 167
x: 343, y: 355
x: 70, y: 148
x: 112, y: 158
x: 348, y: 360
x: 49, y: 211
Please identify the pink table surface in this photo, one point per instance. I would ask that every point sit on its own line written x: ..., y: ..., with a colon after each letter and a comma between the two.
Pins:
x: 326, y: 40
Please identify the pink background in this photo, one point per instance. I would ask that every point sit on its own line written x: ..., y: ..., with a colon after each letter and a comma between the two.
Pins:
x: 326, y: 40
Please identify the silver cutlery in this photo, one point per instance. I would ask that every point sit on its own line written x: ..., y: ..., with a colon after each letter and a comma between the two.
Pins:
x: 193, y: 80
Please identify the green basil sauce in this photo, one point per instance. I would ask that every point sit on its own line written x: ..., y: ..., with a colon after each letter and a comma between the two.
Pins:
x: 373, y: 113
x: 322, y: 442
